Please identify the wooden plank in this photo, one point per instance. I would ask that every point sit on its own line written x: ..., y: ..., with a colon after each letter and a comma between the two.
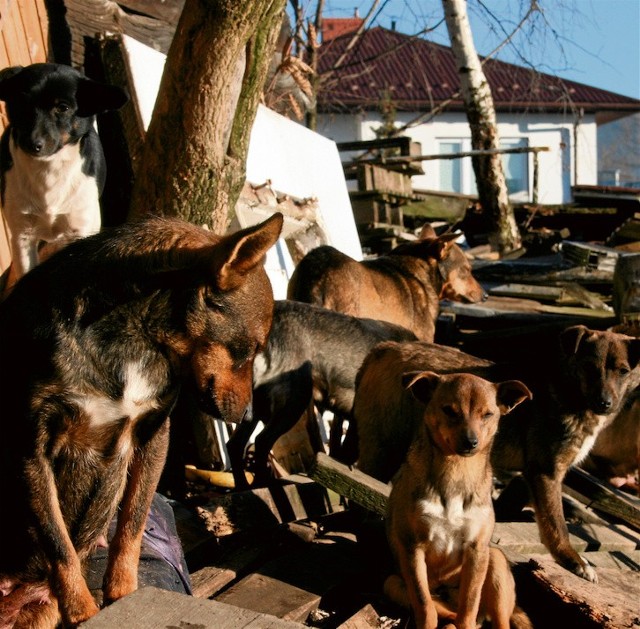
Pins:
x: 209, y: 580
x: 611, y: 603
x: 150, y: 608
x: 267, y: 595
x: 565, y: 295
x: 524, y: 538
x: 353, y: 484
x: 297, y: 498
x: 603, y: 497
x: 617, y: 559
x: 528, y: 291
x: 15, y: 41
x: 167, y: 10
x: 292, y: 585
x: 43, y: 18
x: 294, y: 450
x: 32, y: 31
x: 362, y: 619
x: 87, y: 18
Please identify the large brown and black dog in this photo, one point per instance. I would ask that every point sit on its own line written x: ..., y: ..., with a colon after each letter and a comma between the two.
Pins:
x: 404, y: 287
x: 99, y: 339
x: 583, y: 384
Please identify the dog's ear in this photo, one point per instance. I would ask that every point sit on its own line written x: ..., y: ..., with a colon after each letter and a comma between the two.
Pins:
x: 422, y: 384
x: 6, y: 84
x: 511, y: 393
x: 427, y: 232
x: 441, y: 246
x: 241, y: 252
x: 571, y: 337
x: 93, y: 97
x: 633, y: 352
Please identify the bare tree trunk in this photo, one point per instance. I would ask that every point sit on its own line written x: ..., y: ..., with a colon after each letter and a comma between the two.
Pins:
x: 194, y: 160
x: 478, y: 101
x: 312, y: 60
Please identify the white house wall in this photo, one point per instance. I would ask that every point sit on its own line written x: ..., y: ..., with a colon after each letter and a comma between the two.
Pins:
x: 556, y: 131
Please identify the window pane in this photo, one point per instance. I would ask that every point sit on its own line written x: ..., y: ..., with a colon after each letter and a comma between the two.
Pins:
x: 450, y: 169
x: 515, y: 167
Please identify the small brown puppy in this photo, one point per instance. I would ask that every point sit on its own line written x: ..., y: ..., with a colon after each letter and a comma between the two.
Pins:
x: 440, y: 514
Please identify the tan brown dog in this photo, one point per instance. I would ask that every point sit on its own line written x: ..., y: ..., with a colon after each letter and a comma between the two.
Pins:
x: 615, y: 456
x: 101, y: 337
x: 582, y: 386
x: 403, y: 287
x: 440, y: 515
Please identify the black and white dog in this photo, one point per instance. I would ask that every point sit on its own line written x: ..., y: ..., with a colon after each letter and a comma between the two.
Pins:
x: 52, y: 167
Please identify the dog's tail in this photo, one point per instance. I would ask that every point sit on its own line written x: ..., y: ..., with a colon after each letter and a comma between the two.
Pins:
x: 520, y: 620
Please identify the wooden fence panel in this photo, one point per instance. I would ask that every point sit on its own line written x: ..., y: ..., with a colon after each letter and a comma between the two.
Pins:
x: 23, y: 40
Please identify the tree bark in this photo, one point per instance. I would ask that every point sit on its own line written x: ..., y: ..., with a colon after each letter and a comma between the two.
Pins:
x: 194, y: 160
x: 478, y: 101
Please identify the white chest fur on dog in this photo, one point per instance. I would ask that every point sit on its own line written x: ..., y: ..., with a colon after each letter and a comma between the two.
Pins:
x: 48, y: 199
x: 139, y: 397
x: 447, y: 527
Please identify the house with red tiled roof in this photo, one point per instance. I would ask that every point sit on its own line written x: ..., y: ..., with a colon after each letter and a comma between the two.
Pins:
x: 417, y: 77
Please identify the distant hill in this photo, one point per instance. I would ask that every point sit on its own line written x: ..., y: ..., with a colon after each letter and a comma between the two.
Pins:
x: 619, y: 150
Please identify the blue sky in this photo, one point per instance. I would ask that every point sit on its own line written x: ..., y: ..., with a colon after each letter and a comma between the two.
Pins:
x: 596, y: 42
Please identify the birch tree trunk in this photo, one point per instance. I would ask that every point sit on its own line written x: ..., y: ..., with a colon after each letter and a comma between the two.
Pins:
x: 194, y: 160
x: 478, y: 101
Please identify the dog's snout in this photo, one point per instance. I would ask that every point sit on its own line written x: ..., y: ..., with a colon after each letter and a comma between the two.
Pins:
x: 468, y: 442
x: 603, y: 404
x: 37, y: 146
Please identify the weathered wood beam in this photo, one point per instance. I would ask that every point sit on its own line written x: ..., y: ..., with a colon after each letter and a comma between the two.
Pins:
x: 150, y: 608
x: 353, y: 484
x: 603, y: 497
x: 296, y: 499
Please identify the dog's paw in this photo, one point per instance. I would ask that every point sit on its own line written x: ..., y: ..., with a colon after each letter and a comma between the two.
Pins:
x: 586, y: 571
x: 77, y: 615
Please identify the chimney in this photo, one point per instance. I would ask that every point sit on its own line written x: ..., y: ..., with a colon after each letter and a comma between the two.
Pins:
x: 333, y: 27
x: 393, y: 25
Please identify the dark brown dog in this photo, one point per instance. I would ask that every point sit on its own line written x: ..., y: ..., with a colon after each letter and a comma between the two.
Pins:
x: 440, y: 515
x: 100, y: 338
x: 312, y: 355
x: 404, y: 287
x: 582, y: 387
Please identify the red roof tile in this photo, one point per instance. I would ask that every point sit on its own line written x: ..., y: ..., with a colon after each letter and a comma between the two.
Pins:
x: 419, y: 74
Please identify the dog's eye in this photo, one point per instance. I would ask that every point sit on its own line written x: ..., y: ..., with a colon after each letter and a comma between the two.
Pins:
x: 211, y: 300
x: 487, y: 416
x: 62, y: 108
x: 450, y: 412
x: 623, y: 371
